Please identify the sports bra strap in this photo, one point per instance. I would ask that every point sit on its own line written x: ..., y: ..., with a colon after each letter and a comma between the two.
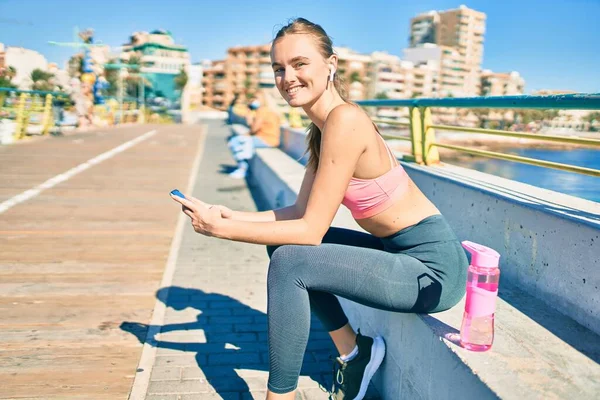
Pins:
x: 393, y: 162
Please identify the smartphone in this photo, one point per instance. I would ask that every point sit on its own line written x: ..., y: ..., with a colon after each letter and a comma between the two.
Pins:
x: 177, y: 193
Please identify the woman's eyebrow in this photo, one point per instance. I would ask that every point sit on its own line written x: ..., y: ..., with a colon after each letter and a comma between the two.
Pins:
x: 298, y: 58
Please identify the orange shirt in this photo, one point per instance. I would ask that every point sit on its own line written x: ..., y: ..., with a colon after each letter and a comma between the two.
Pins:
x: 269, y: 130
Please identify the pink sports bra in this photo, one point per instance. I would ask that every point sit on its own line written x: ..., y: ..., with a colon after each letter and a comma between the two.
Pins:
x: 368, y: 197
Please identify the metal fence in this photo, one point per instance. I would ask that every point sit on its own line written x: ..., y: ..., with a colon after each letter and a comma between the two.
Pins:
x: 422, y: 129
x: 32, y: 112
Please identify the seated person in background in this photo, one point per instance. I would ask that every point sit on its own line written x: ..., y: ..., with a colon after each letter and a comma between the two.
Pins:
x: 264, y: 132
x: 264, y: 124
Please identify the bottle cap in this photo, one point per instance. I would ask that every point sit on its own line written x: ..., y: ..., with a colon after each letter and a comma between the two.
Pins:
x: 481, y: 256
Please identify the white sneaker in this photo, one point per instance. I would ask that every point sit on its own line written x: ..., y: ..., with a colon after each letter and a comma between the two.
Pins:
x: 238, y: 174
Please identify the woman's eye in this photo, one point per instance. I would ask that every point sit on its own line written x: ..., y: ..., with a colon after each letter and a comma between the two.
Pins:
x: 300, y: 64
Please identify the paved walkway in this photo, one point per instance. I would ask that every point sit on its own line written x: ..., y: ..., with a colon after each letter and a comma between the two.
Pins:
x: 86, y: 230
x: 212, y: 343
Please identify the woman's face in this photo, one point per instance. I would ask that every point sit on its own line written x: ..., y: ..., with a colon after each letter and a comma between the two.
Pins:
x: 300, y: 71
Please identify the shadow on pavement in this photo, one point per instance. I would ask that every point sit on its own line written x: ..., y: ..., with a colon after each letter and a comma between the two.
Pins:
x: 236, y: 338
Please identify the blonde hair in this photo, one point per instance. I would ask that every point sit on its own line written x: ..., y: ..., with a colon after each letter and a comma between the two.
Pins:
x: 325, y: 45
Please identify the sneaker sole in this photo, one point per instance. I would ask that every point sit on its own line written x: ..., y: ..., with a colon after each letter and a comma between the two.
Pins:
x: 377, y: 354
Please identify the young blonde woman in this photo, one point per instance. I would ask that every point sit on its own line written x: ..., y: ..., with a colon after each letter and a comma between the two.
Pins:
x: 410, y: 261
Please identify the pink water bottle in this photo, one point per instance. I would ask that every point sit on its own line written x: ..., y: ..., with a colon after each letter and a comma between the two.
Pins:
x: 477, y: 328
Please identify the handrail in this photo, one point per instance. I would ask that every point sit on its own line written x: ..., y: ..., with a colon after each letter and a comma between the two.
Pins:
x: 525, y: 160
x: 498, y: 132
x: 41, y: 92
x: 549, y: 138
x: 581, y: 101
x: 422, y: 129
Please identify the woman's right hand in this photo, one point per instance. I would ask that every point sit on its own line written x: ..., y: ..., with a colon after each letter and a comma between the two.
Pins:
x: 225, y: 211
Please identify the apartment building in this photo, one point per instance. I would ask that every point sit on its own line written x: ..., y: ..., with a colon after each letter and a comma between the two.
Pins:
x: 445, y: 66
x: 245, y: 70
x: 2, y: 56
x: 217, y: 90
x: 459, y: 33
x: 424, y: 28
x: 388, y: 77
x: 501, y: 83
x: 353, y: 68
x: 248, y: 68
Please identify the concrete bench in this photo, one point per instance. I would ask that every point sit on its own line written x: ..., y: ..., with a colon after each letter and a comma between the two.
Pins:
x: 538, y: 352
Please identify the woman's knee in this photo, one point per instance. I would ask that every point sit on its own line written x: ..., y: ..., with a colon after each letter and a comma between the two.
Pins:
x: 283, y: 259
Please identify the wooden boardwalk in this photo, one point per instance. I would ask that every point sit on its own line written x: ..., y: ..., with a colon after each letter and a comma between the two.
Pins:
x: 80, y: 255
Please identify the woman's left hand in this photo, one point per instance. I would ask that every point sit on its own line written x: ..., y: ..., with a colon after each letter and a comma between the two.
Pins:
x: 205, y: 218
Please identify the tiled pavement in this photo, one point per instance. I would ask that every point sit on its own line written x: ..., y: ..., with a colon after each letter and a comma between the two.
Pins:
x: 213, y: 341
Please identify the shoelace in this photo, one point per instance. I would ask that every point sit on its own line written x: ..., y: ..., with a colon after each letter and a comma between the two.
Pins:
x: 338, y: 372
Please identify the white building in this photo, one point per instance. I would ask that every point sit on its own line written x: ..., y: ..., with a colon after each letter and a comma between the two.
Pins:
x: 161, y: 59
x: 389, y: 76
x: 24, y: 61
x: 501, y: 83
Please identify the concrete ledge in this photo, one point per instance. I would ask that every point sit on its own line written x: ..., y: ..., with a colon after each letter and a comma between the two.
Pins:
x: 549, y: 242
x: 538, y: 352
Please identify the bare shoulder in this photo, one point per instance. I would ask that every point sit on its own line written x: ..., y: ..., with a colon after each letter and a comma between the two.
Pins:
x: 347, y: 120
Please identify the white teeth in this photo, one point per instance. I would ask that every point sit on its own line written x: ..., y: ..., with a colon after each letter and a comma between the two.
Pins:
x: 294, y: 89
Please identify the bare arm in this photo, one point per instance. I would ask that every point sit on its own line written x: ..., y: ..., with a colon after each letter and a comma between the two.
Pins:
x: 342, y: 144
x: 280, y: 214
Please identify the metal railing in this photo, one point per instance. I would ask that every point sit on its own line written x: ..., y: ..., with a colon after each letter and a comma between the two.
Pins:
x: 39, y: 111
x: 422, y: 128
x: 27, y: 107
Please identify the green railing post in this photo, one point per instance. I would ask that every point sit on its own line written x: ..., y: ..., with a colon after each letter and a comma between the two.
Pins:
x: 431, y: 154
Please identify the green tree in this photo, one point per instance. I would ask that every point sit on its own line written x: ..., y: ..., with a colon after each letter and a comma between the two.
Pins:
x: 355, y: 77
x: 181, y: 79
x: 381, y: 96
x: 75, y: 65
x: 135, y: 78
x: 550, y: 114
x: 40, y: 75
x: 6, y: 77
x: 112, y: 77
x: 482, y: 114
x: 42, y: 80
x: 591, y: 117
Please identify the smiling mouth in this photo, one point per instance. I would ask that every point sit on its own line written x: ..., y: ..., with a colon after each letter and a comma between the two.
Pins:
x: 294, y: 89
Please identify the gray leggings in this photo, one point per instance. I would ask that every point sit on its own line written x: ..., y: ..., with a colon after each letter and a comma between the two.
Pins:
x: 419, y: 269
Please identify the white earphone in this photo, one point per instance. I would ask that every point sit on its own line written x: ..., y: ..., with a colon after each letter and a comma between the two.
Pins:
x: 331, y: 74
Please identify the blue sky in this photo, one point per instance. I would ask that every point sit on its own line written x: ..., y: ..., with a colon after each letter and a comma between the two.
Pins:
x: 554, y: 44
